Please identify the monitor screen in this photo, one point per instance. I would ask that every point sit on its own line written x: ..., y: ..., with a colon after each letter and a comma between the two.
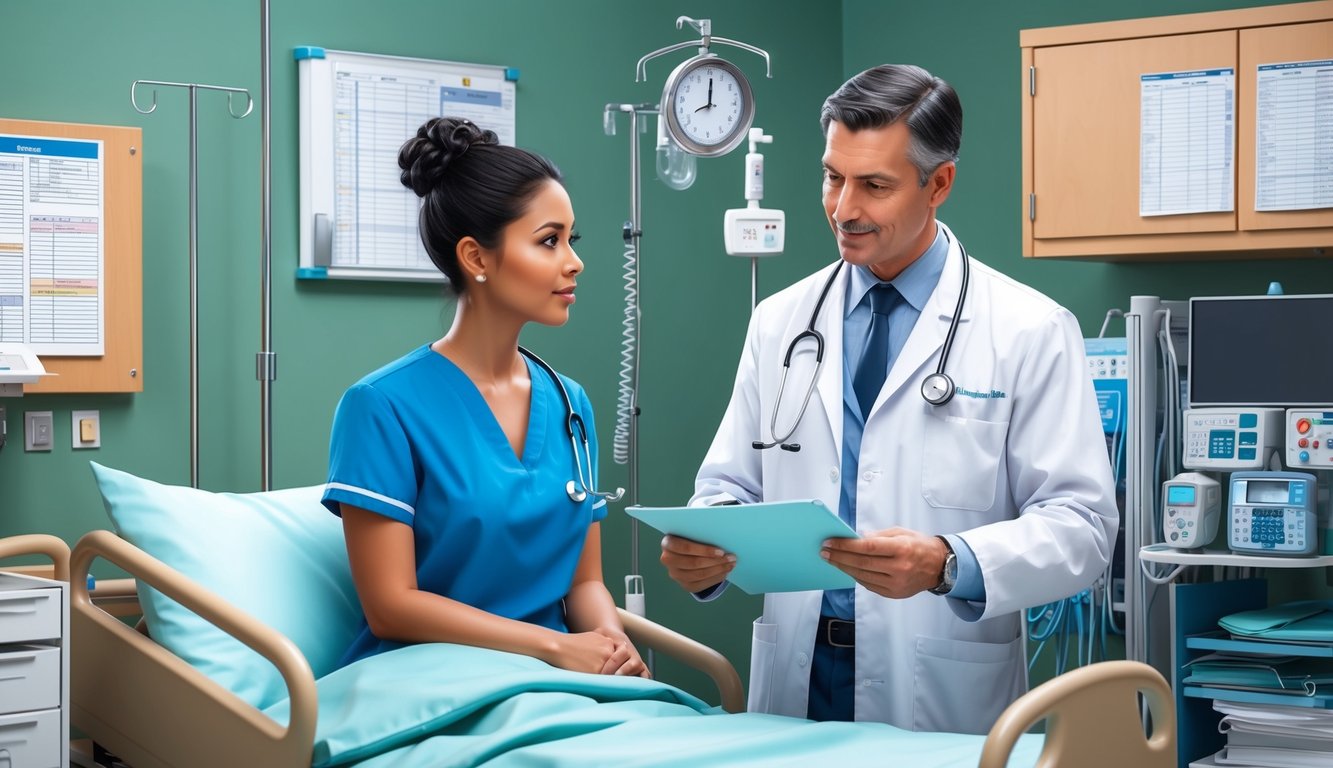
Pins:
x: 1180, y: 494
x: 1260, y: 351
x: 1266, y: 492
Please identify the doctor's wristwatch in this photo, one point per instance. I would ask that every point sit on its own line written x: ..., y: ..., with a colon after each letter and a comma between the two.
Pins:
x: 949, y: 573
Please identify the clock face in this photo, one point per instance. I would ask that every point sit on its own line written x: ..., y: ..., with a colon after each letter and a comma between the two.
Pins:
x: 710, y: 106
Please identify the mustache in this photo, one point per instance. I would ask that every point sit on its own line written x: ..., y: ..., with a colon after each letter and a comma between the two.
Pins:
x: 853, y: 228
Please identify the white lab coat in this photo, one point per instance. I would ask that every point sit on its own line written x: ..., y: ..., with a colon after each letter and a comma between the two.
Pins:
x: 1015, y: 464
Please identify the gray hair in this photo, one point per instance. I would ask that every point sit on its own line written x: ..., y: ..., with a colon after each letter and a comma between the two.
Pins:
x: 888, y: 93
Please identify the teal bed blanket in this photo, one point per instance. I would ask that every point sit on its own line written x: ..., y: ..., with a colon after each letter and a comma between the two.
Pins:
x: 443, y: 705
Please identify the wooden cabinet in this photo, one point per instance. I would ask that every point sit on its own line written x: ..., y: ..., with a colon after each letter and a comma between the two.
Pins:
x: 1082, y: 127
x: 34, y: 672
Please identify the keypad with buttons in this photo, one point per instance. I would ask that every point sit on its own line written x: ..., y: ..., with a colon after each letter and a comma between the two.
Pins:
x: 1284, y: 530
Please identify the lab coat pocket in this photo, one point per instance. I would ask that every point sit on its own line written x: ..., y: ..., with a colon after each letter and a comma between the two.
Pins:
x: 763, y: 649
x: 960, y: 462
x: 963, y: 686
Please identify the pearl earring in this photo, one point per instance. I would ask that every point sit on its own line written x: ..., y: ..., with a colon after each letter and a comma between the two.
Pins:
x: 481, y: 278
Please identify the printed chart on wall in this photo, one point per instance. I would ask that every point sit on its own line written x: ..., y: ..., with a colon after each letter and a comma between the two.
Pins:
x: 1187, y: 140
x: 357, y: 219
x: 1294, y: 132
x: 51, y: 245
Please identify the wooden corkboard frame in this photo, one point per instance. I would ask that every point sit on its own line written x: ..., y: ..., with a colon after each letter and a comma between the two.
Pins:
x: 120, y: 368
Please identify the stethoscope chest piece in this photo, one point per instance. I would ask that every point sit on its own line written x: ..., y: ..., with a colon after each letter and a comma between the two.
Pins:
x: 937, y: 388
x: 576, y: 494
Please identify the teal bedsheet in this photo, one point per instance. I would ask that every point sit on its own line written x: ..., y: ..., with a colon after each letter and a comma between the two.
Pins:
x: 448, y: 705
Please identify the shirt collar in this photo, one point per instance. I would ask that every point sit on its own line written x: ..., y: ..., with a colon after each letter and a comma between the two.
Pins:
x: 915, y: 283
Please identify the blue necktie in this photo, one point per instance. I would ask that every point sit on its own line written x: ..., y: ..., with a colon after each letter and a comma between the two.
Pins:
x: 874, y: 365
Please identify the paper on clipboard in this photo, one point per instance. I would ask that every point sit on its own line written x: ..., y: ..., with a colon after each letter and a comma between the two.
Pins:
x: 776, y: 543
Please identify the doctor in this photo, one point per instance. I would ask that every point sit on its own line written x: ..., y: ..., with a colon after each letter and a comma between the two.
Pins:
x: 952, y: 423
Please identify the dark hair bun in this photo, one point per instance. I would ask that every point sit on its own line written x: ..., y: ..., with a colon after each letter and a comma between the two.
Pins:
x: 439, y: 143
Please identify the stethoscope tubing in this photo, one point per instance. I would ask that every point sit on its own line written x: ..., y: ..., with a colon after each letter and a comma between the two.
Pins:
x: 583, y: 488
x: 940, y: 380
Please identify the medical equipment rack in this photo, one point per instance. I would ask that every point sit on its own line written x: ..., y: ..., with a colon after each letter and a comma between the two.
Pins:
x: 1195, y: 611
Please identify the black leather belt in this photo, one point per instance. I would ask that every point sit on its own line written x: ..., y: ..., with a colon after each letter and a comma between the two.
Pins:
x: 838, y: 633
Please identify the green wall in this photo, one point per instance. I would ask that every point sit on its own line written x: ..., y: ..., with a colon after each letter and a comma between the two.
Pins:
x: 75, y: 59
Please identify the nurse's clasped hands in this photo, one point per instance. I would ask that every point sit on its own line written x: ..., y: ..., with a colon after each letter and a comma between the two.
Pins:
x: 894, y: 562
x: 602, y: 651
x: 693, y: 565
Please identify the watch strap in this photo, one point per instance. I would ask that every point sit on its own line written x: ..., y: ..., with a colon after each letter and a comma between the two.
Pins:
x: 948, y: 571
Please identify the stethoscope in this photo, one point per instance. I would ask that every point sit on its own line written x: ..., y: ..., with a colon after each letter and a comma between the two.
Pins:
x: 580, y: 488
x: 937, y: 388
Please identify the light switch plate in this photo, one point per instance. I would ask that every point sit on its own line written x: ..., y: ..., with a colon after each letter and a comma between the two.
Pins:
x: 85, y: 435
x: 38, y: 430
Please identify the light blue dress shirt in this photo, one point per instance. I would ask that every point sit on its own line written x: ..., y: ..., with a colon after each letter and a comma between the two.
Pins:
x: 915, y: 284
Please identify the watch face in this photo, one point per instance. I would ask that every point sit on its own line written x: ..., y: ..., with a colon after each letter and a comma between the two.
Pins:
x: 710, y: 106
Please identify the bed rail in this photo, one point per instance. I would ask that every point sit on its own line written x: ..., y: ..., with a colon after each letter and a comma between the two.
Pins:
x: 1092, y: 720
x: 39, y: 544
x: 123, y: 685
x: 697, y: 655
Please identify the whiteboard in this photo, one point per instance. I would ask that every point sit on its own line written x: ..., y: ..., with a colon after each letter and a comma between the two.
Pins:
x: 357, y: 219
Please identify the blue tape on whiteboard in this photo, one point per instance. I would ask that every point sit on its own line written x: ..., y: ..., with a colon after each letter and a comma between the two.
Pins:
x: 312, y: 273
x: 511, y: 74
x: 307, y: 52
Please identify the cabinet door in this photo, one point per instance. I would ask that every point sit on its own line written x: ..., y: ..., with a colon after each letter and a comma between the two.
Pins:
x: 1303, y: 156
x: 1085, y: 133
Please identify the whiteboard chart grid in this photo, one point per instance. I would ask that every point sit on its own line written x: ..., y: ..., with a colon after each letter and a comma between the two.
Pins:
x: 357, y: 219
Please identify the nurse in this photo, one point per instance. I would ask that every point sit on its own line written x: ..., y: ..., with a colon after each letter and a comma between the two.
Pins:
x: 977, y: 496
x: 449, y: 465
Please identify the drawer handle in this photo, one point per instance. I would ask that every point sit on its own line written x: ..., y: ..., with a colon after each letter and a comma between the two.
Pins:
x: 28, y: 659
x: 16, y: 605
x: 23, y: 599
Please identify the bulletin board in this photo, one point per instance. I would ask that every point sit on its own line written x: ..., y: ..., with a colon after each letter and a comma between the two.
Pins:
x: 357, y: 219
x: 119, y: 366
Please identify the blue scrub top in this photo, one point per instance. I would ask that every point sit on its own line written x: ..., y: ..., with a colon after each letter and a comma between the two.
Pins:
x: 416, y: 442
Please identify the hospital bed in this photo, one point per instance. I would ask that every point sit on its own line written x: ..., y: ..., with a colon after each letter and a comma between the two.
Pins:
x: 153, y: 710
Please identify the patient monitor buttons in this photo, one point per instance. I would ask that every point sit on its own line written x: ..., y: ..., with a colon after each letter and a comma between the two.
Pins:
x: 1309, y: 442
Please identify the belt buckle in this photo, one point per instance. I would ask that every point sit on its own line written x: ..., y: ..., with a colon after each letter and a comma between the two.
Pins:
x: 828, y: 633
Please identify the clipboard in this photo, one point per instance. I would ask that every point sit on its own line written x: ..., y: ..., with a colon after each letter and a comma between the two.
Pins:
x: 776, y: 543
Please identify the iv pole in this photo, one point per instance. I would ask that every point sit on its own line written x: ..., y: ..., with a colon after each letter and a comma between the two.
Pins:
x: 266, y: 361
x: 626, y: 449
x: 626, y: 445
x: 194, y: 89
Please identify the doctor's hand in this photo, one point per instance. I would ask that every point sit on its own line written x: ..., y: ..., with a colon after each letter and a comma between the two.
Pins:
x: 693, y: 565
x: 894, y: 563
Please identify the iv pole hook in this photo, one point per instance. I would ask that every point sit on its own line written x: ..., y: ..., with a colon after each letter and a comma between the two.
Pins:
x: 705, y: 29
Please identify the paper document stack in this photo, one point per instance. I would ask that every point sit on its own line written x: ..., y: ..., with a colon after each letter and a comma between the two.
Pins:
x: 1273, y: 736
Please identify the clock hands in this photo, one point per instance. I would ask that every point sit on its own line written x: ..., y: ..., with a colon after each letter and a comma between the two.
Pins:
x: 709, y: 102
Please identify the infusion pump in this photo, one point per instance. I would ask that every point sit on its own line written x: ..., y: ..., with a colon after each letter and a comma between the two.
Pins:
x: 1228, y: 439
x: 1272, y: 513
x: 1192, y: 504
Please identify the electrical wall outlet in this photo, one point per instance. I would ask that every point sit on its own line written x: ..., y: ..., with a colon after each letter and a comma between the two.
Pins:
x: 85, y: 429
x: 39, y: 431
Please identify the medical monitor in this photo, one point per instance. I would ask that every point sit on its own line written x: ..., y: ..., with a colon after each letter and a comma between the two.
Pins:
x: 1271, y: 351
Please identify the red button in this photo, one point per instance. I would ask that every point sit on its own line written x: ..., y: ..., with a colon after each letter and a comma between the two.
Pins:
x: 1303, y: 443
x: 1302, y: 425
